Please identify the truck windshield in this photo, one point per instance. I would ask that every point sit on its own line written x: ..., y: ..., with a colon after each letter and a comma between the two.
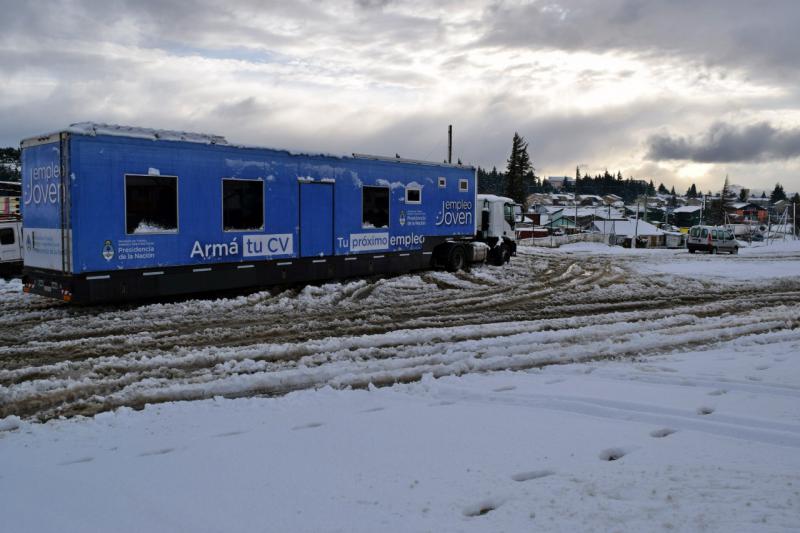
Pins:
x: 508, y: 214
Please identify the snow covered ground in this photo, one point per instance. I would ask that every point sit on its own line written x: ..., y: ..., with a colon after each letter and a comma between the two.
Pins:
x: 581, y: 389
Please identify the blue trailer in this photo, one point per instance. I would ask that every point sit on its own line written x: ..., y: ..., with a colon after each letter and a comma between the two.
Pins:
x: 114, y: 213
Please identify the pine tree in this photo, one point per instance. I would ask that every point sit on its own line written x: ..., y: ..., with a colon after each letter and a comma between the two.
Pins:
x: 10, y: 164
x: 691, y: 192
x: 651, y: 189
x: 777, y: 194
x: 744, y: 194
x: 672, y: 192
x: 518, y: 165
x: 662, y: 189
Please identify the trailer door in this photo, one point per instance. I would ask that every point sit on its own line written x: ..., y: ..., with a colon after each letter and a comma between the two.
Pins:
x: 316, y: 219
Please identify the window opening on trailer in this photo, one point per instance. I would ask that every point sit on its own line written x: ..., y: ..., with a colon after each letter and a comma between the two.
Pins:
x: 375, y: 207
x: 463, y: 185
x: 442, y: 182
x: 413, y: 195
x: 242, y: 204
x: 151, y: 204
x: 6, y: 236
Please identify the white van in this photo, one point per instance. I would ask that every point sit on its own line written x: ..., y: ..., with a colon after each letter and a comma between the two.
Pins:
x: 10, y: 244
x: 711, y: 239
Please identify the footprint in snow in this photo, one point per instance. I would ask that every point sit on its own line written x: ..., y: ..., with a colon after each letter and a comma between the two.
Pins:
x: 231, y: 433
x: 482, y: 508
x: 762, y: 367
x: 77, y: 461
x: 612, y: 454
x: 718, y: 392
x: 310, y: 425
x: 705, y: 410
x: 373, y: 410
x: 554, y: 381
x: 661, y: 433
x: 162, y: 451
x: 533, y: 474
x: 504, y: 389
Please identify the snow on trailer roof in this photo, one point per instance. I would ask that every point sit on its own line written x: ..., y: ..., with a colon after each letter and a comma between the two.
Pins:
x: 93, y: 129
x: 115, y: 130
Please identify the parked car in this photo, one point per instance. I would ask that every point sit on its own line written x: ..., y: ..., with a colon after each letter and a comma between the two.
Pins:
x: 712, y: 239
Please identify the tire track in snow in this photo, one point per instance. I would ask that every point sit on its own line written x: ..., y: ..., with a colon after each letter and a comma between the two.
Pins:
x: 543, y: 309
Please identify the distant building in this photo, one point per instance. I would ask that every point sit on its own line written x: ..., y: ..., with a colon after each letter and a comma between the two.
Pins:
x: 749, y: 212
x: 558, y: 182
x: 686, y: 216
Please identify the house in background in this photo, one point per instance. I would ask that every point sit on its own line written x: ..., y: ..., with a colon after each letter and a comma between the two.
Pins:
x: 687, y: 216
x: 623, y: 232
x: 749, y: 212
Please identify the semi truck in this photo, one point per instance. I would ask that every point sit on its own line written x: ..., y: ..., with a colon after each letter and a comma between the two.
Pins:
x: 114, y: 213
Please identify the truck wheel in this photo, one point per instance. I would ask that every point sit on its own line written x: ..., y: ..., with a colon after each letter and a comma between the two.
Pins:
x: 735, y: 250
x: 496, y: 255
x: 457, y: 259
x: 691, y: 250
x: 505, y: 254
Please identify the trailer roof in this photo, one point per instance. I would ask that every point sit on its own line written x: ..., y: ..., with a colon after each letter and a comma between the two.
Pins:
x: 115, y: 130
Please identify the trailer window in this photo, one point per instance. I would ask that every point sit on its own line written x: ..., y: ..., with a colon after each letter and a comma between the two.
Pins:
x: 6, y: 236
x: 442, y: 182
x: 463, y: 185
x: 242, y: 205
x: 413, y: 195
x: 151, y: 204
x: 375, y: 207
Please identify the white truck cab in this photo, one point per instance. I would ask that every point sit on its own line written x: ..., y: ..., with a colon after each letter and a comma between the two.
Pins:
x: 497, y: 218
x: 10, y: 244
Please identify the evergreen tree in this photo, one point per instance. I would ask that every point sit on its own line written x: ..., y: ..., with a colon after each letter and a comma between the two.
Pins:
x: 651, y: 189
x: 662, y: 189
x: 744, y: 194
x: 672, y: 192
x: 777, y: 194
x: 518, y: 165
x: 10, y: 164
x: 764, y: 194
x: 796, y: 198
x: 716, y: 207
x: 691, y: 192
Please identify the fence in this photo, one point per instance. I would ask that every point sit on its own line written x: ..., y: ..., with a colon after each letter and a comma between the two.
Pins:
x: 556, y: 241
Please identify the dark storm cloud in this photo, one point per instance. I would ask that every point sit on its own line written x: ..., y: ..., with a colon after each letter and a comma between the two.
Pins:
x: 761, y: 36
x: 726, y: 143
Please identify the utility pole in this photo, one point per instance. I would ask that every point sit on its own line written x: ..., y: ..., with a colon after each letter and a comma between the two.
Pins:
x: 450, y: 144
x: 702, y: 208
x: 636, y: 227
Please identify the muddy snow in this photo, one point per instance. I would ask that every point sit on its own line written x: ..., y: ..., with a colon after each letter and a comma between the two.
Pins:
x: 584, y: 388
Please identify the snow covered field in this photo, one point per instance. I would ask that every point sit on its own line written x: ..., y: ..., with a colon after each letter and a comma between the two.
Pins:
x: 624, y: 395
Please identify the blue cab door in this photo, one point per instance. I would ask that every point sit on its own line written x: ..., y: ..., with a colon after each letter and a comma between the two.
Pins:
x: 316, y: 219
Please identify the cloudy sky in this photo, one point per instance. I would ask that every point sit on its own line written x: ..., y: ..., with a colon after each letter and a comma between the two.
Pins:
x: 673, y: 90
